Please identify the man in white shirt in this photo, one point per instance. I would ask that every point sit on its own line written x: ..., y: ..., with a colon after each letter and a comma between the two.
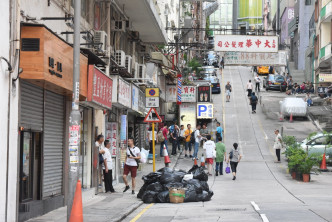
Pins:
x: 150, y: 137
x: 133, y: 156
x: 249, y: 88
x: 107, y: 168
x: 258, y: 82
x: 198, y: 138
x: 100, y: 146
x: 209, y: 146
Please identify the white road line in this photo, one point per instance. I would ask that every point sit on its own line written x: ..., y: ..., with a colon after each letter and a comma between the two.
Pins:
x: 264, y: 218
x: 256, y: 207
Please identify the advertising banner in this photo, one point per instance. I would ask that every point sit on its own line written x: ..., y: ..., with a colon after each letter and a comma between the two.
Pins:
x: 188, y: 114
x: 188, y: 94
x: 204, y: 93
x: 134, y: 97
x: 111, y: 135
x: 124, y: 93
x: 245, y: 43
x: 256, y: 59
x: 325, y: 77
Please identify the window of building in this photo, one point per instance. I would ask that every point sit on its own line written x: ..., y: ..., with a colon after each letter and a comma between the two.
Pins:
x: 307, y: 2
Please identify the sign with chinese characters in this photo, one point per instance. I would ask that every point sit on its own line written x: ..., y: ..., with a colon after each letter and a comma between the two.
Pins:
x: 325, y: 77
x: 204, y: 93
x: 205, y: 111
x: 188, y: 114
x: 245, y: 43
x: 74, y: 138
x: 152, y: 92
x: 188, y: 93
x: 152, y: 102
x: 135, y: 97
x: 123, y: 132
x: 100, y: 88
x: 141, y: 102
x: 111, y: 135
x: 256, y: 59
x: 124, y: 93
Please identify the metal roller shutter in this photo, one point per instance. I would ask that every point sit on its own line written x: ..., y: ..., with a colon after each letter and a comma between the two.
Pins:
x: 32, y: 106
x: 53, y: 144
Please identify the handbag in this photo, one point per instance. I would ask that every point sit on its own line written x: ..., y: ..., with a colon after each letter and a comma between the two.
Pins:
x: 137, y: 161
x: 101, y: 158
x: 228, y: 169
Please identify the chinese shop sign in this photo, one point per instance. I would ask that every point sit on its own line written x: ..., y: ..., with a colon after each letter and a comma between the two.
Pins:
x: 256, y: 59
x: 111, y: 135
x: 124, y: 93
x: 188, y: 93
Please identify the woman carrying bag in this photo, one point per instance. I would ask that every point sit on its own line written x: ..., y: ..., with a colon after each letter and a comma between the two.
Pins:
x: 234, y: 159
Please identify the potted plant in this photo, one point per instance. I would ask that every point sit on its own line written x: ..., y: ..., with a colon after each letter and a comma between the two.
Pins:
x: 307, y: 165
x: 294, y: 162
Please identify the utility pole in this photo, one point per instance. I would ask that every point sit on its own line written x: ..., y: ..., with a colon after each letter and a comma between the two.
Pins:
x: 75, y: 117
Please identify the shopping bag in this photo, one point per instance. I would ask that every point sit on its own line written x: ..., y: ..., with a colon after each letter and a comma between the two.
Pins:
x: 228, y: 169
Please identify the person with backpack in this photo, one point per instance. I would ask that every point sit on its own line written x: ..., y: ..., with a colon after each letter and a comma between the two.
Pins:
x: 228, y: 90
x: 133, y: 156
x: 234, y: 158
x: 197, y: 139
x: 219, y: 131
x: 253, y: 102
x: 187, y: 136
x: 163, y: 141
x: 220, y: 156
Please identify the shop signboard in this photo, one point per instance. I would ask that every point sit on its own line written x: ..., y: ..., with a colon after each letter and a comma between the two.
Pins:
x: 152, y: 102
x: 325, y: 77
x: 245, y: 43
x: 135, y: 97
x: 100, y: 88
x: 204, y: 94
x: 256, y: 59
x: 141, y: 102
x: 188, y: 114
x: 124, y: 93
x: 188, y: 94
x: 205, y: 111
x: 111, y: 135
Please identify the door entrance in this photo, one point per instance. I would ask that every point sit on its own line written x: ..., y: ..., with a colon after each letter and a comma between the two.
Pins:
x: 30, y: 167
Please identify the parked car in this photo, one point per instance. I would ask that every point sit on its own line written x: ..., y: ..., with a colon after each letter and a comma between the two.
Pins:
x: 295, y: 106
x: 215, y: 84
x: 211, y: 59
x: 318, y: 143
x: 213, y: 79
x: 277, y: 82
x: 262, y: 70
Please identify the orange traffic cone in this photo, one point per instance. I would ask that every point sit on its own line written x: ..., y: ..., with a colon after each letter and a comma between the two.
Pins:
x: 202, y: 161
x: 77, y: 208
x: 195, y: 162
x: 281, y: 118
x: 291, y: 118
x: 323, y: 165
x: 166, y: 157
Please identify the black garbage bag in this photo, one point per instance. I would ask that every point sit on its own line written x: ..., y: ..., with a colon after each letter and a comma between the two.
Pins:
x: 163, y: 197
x: 173, y: 177
x: 193, y: 169
x: 190, y: 193
x: 156, y: 187
x: 204, y: 196
x: 165, y: 170
x: 197, y: 185
x: 205, y: 185
x: 200, y: 174
x: 173, y: 185
x: 149, y: 196
x: 151, y: 178
x: 142, y: 191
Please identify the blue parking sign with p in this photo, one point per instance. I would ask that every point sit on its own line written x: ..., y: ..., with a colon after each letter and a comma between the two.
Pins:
x: 201, y: 109
x: 205, y: 111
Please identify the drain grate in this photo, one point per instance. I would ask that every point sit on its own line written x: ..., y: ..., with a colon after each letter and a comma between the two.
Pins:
x: 228, y: 209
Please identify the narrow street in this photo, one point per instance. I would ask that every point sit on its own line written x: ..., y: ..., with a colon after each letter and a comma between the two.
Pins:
x: 263, y: 190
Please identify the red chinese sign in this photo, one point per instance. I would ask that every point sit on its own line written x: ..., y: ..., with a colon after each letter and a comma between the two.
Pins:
x: 99, y: 88
x: 246, y: 43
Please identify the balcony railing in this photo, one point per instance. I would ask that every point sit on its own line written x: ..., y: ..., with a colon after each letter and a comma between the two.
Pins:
x: 325, y: 11
x: 325, y: 51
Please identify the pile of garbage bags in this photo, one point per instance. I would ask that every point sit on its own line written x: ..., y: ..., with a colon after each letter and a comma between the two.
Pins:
x: 156, y: 185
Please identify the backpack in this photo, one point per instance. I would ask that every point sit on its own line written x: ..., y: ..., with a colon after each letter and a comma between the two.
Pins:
x: 192, y: 137
x: 254, y: 99
x: 160, y: 136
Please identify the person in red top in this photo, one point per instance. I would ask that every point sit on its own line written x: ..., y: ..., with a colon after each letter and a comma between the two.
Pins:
x: 164, y: 130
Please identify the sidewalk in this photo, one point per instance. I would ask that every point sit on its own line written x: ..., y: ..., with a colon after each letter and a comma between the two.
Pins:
x: 109, y: 207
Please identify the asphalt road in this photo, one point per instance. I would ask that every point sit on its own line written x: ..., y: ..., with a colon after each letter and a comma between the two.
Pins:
x: 263, y: 191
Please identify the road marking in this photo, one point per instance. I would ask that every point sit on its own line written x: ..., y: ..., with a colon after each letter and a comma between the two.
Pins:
x: 256, y: 207
x: 141, y: 213
x: 264, y: 218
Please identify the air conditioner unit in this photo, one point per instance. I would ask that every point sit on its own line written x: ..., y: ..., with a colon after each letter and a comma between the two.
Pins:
x: 136, y: 70
x: 120, y: 58
x: 128, y: 63
x: 101, y: 38
x: 141, y: 71
x: 118, y: 26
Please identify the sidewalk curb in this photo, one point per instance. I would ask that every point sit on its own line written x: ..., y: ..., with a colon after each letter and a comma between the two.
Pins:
x: 126, y: 213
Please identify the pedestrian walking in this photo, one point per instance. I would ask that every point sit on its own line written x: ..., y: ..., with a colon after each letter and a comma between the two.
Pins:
x: 290, y: 85
x: 131, y: 164
x: 209, y: 147
x: 258, y: 83
x: 222, y: 63
x: 228, y: 90
x: 277, y: 144
x: 107, y: 168
x: 220, y: 156
x: 219, y: 131
x: 187, y: 135
x: 253, y: 102
x: 234, y: 158
x: 249, y: 88
x: 174, y: 135
x: 149, y: 135
x: 164, y: 132
x: 99, y: 144
x: 198, y: 138
x: 181, y: 138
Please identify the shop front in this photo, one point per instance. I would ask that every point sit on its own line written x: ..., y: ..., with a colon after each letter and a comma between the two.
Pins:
x: 45, y: 94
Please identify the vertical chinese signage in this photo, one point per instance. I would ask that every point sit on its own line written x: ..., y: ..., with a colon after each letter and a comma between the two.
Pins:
x: 123, y: 139
x: 204, y: 93
x: 179, y: 87
x: 100, y: 88
x: 111, y: 135
x: 74, y: 139
x: 245, y: 43
x: 124, y: 93
x: 135, y: 97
